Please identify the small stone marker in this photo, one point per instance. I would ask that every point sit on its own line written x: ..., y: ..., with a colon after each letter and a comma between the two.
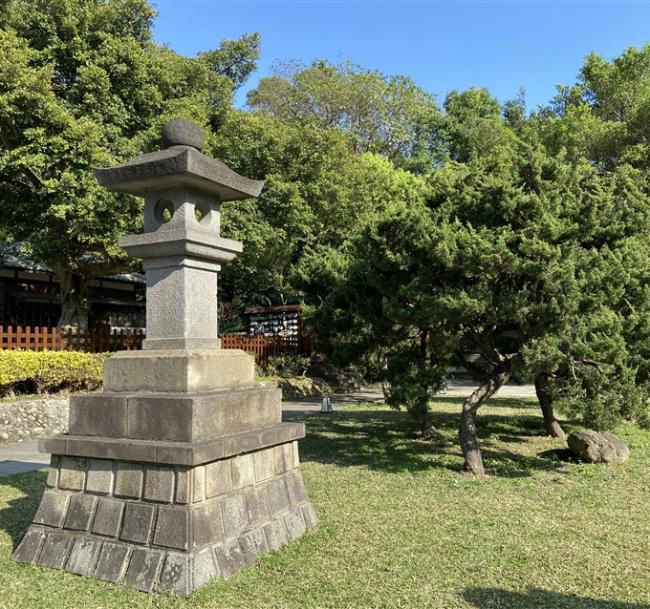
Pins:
x: 598, y: 447
x: 326, y: 405
x: 181, y: 470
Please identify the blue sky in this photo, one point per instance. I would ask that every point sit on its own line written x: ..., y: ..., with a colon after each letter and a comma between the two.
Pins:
x: 441, y: 45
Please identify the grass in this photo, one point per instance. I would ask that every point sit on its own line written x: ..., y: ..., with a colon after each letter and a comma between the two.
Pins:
x: 403, y: 527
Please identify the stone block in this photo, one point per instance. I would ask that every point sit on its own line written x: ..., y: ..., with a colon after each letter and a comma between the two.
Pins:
x: 178, y: 371
x: 257, y: 505
x: 279, y: 465
x: 275, y: 533
x: 72, y: 473
x: 201, y: 417
x: 83, y: 556
x: 175, y: 575
x: 52, y: 510
x: 171, y: 453
x: 309, y: 515
x: 242, y: 471
x: 234, y: 515
x: 287, y: 448
x: 296, y: 456
x: 263, y: 464
x: 107, y: 448
x: 183, y: 485
x: 53, y: 472
x: 286, y: 432
x: 207, y: 524
x: 178, y: 293
x: 108, y: 517
x: 159, y: 484
x: 30, y: 546
x: 54, y: 445
x: 278, y: 495
x: 172, y: 528
x: 99, y: 478
x: 254, y: 545
x: 205, y: 567
x: 296, y: 487
x: 295, y: 524
x: 80, y: 512
x: 128, y: 480
x: 217, y: 478
x: 55, y: 550
x: 143, y: 568
x: 112, y: 562
x: 138, y: 522
x: 198, y: 484
x: 230, y: 557
x: 98, y: 414
x: 160, y: 417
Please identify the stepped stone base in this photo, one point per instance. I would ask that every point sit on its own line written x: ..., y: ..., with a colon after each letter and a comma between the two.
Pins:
x: 177, y: 417
x: 167, y: 528
x: 177, y: 370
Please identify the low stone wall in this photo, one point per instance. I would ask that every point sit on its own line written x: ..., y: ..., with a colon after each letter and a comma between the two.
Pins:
x: 32, y: 419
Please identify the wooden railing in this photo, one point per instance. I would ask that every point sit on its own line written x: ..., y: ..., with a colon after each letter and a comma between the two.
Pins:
x: 101, y: 340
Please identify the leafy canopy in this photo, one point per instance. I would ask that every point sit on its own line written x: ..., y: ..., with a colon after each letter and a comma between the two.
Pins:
x: 535, y: 264
x: 82, y: 85
x: 387, y: 115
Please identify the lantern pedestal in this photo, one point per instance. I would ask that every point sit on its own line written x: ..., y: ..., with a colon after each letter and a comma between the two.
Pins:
x: 181, y: 470
x: 162, y: 525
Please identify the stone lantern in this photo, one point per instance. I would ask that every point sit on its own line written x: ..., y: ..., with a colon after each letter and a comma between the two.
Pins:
x: 181, y: 469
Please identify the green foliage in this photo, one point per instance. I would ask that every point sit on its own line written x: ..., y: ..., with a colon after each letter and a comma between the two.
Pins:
x: 83, y: 85
x: 50, y: 371
x: 235, y: 59
x: 605, y: 116
x: 317, y: 194
x: 387, y: 115
x: 287, y: 365
x: 533, y: 262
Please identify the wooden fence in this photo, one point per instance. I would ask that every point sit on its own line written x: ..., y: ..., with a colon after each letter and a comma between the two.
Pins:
x: 97, y: 340
x: 263, y: 347
x: 103, y: 340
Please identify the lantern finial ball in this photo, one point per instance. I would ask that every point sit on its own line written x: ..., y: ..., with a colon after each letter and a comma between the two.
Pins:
x: 181, y: 132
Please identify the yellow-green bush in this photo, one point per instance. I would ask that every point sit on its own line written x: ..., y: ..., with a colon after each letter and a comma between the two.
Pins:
x: 47, y: 371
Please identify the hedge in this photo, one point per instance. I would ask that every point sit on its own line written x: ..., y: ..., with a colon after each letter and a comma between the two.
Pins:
x: 49, y: 371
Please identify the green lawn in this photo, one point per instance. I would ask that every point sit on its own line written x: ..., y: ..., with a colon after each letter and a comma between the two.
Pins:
x: 401, y: 526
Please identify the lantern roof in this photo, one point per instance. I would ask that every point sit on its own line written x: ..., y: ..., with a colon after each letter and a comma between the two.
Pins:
x: 180, y: 163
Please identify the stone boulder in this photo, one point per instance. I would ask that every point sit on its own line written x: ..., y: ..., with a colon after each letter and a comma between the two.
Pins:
x: 598, y: 447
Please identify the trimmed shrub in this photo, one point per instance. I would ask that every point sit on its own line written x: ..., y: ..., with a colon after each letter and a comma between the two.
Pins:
x: 49, y: 371
x: 287, y: 365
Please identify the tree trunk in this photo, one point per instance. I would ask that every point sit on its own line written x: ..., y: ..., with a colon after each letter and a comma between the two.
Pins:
x: 427, y: 427
x: 75, y: 300
x: 546, y: 404
x: 467, y: 431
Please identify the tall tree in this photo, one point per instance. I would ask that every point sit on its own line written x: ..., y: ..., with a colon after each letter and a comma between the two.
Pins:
x: 518, y: 262
x: 82, y: 84
x: 318, y: 192
x: 387, y: 115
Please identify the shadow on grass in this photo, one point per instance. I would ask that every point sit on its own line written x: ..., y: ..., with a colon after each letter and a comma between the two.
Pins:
x: 15, y: 518
x: 535, y: 598
x: 391, y: 441
x: 494, y: 402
